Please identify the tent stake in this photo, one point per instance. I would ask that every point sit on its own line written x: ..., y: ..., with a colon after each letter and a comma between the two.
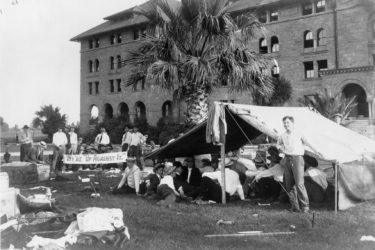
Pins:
x: 222, y: 155
x: 336, y: 187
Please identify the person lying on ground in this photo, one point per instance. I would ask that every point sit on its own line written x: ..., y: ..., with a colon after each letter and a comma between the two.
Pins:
x: 130, y: 181
x: 36, y: 153
x: 153, y: 180
x: 166, y: 190
x: 211, y: 183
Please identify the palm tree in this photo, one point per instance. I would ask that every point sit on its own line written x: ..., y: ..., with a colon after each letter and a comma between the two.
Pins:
x: 194, y: 46
x: 330, y: 105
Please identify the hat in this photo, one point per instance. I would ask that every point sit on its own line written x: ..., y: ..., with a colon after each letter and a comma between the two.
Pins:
x: 169, y: 169
x: 158, y: 166
x: 130, y: 159
x: 25, y: 127
x: 43, y: 144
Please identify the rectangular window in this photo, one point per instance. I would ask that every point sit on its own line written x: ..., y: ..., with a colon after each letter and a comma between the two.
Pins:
x: 136, y: 34
x: 119, y: 38
x: 112, y: 62
x: 118, y: 62
x: 111, y: 86
x: 274, y: 16
x: 96, y: 87
x: 90, y: 88
x: 320, y: 6
x: 262, y: 17
x: 309, y: 69
x: 118, y: 85
x: 307, y: 9
x: 322, y: 64
x: 112, y: 39
x: 97, y: 43
x: 143, y: 33
x: 91, y: 44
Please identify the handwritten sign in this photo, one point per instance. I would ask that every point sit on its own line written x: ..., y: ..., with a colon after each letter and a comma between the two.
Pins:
x: 106, y: 158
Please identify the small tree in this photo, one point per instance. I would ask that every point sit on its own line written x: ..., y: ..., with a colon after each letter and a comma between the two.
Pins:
x: 49, y: 119
x: 330, y: 104
x: 282, y: 91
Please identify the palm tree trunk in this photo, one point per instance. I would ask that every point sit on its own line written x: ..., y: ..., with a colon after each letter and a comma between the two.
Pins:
x: 197, y: 105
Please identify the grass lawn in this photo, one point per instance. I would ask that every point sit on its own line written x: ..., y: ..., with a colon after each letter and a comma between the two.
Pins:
x: 184, y: 225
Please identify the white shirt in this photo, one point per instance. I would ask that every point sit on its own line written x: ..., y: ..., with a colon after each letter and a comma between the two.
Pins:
x: 292, y: 143
x: 132, y: 178
x: 232, y: 181
x: 189, y: 174
x: 102, y: 139
x: 26, y: 137
x: 126, y: 138
x: 168, y: 180
x: 73, y: 138
x: 59, y: 139
x: 136, y: 139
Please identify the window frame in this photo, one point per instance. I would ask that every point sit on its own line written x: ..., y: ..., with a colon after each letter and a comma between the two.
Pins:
x: 321, y: 40
x: 311, y: 11
x: 97, y: 88
x: 111, y: 86
x: 322, y: 8
x: 272, y: 18
x: 261, y: 15
x: 309, y: 73
x: 308, y: 43
x: 119, y: 87
x: 263, y: 48
x: 273, y: 43
x: 90, y: 88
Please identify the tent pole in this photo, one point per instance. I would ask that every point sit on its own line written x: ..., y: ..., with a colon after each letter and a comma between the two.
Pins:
x: 222, y: 155
x: 336, y: 187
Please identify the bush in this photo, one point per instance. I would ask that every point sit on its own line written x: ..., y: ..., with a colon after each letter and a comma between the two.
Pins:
x: 282, y: 91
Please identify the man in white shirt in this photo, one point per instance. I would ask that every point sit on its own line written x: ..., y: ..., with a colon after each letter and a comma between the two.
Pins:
x: 73, y: 139
x: 292, y: 144
x: 211, y: 185
x: 59, y: 142
x: 135, y: 148
x: 102, y: 140
x: 126, y: 138
x: 26, y: 143
x: 130, y: 181
x: 166, y: 190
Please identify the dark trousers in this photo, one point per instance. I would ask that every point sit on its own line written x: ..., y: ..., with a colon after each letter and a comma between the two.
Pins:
x: 211, y: 190
x: 136, y: 152
x: 294, y: 181
x: 165, y: 193
x: 24, y: 151
x: 125, y: 147
x: 125, y: 189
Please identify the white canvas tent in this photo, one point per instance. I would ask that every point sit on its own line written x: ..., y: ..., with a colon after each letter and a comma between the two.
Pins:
x: 233, y: 125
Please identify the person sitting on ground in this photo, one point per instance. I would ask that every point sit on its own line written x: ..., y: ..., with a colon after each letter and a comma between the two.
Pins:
x: 210, y: 187
x: 153, y: 180
x: 181, y: 185
x: 181, y: 171
x: 166, y: 190
x: 193, y: 175
x: 102, y: 141
x: 36, y: 153
x: 130, y: 181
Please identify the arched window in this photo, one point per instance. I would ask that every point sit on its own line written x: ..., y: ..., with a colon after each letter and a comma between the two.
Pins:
x: 123, y: 111
x: 118, y: 61
x: 321, y: 37
x: 354, y: 90
x: 308, y: 41
x: 274, y: 44
x: 140, y: 110
x: 275, y: 72
x: 108, y: 111
x: 263, y: 48
x: 96, y: 65
x: 94, y: 115
x: 112, y: 62
x: 166, y: 109
x: 91, y: 66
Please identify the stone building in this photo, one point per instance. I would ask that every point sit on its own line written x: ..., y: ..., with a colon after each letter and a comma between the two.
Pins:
x: 316, y: 44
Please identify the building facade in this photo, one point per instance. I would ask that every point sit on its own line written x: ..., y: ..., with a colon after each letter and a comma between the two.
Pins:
x: 316, y: 44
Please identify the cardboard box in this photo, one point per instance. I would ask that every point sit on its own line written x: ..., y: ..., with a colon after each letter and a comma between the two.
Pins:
x: 8, y: 202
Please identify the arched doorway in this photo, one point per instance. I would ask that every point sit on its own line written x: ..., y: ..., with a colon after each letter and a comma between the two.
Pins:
x: 140, y: 110
x: 351, y: 90
x: 108, y: 111
x: 123, y: 110
x: 94, y: 115
x: 166, y: 109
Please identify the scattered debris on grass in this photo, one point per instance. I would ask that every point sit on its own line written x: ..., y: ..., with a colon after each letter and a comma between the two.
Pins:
x: 224, y: 222
x: 367, y: 238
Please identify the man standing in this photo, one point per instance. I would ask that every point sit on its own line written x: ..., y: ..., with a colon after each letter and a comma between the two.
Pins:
x: 135, y: 148
x: 26, y: 143
x: 102, y: 140
x: 130, y: 181
x: 59, y: 142
x: 292, y: 144
x: 126, y: 139
x: 36, y: 153
x: 73, y: 139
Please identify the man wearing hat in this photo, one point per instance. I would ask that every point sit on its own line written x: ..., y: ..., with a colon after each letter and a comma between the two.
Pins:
x: 36, y: 153
x: 166, y: 190
x: 26, y: 143
x: 153, y: 180
x: 130, y: 181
